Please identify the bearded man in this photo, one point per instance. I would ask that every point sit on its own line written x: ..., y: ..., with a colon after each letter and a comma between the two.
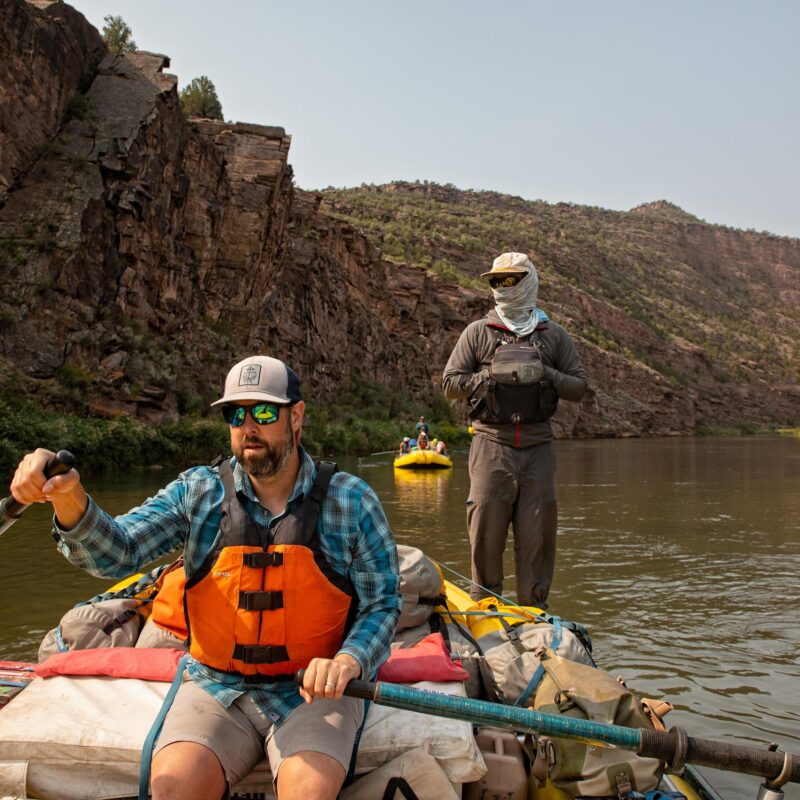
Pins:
x: 512, y: 367
x: 289, y: 564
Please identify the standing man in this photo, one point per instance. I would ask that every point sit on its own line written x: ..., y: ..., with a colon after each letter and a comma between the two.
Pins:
x: 512, y: 367
x: 422, y: 427
x: 289, y: 564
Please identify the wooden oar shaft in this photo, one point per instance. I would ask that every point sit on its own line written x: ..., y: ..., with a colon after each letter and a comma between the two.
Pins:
x: 656, y: 744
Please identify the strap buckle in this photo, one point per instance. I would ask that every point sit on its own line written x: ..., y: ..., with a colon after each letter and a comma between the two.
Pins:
x: 260, y: 601
x: 262, y: 560
x: 260, y: 653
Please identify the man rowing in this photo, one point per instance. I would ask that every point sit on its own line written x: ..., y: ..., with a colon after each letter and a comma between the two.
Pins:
x: 289, y: 564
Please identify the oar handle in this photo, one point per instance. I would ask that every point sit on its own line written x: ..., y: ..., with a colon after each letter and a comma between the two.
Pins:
x: 676, y: 748
x: 61, y: 463
x: 673, y: 747
x: 364, y: 690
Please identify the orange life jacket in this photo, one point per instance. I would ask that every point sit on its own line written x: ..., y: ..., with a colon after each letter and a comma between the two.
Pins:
x: 168, y: 603
x: 266, y: 601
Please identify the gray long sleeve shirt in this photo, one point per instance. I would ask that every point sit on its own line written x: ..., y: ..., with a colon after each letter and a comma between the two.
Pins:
x: 466, y: 373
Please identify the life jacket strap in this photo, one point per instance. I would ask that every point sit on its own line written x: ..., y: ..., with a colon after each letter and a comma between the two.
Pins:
x: 262, y: 560
x: 260, y: 653
x: 260, y: 601
x: 325, y: 471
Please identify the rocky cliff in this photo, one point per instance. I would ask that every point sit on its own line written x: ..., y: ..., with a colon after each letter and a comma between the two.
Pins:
x: 142, y: 253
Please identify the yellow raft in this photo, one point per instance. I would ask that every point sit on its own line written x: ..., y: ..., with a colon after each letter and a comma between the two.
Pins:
x: 423, y: 459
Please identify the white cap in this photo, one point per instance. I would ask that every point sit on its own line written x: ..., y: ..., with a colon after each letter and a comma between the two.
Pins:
x: 261, y: 378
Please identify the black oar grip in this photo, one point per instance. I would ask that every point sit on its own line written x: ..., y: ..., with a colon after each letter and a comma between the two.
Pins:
x: 355, y: 688
x: 59, y: 464
x: 719, y: 755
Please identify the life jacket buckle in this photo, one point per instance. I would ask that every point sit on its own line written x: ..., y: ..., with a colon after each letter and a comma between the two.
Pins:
x: 260, y: 653
x: 260, y: 601
x: 262, y: 560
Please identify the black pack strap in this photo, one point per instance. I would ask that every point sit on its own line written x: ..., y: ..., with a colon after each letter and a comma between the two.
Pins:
x: 489, y: 682
x: 399, y: 784
x: 119, y: 621
x: 438, y: 625
x: 325, y: 471
x: 262, y: 560
x: 512, y: 633
x: 439, y: 600
x: 217, y: 461
x: 260, y: 653
x: 260, y: 601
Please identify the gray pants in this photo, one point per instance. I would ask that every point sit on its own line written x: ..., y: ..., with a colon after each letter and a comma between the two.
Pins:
x: 512, y: 487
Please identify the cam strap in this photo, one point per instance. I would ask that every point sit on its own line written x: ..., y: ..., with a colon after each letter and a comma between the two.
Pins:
x: 538, y: 674
x: 260, y: 653
x: 119, y: 621
x: 263, y: 560
x: 260, y: 601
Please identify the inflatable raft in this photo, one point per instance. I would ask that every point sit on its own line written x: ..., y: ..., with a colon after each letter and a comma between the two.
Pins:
x: 423, y: 459
x: 71, y: 737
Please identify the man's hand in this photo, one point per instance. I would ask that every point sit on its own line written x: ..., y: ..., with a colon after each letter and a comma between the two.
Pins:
x: 65, y: 492
x: 326, y: 677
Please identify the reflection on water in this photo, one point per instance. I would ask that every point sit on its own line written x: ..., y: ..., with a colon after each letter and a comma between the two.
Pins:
x: 682, y: 557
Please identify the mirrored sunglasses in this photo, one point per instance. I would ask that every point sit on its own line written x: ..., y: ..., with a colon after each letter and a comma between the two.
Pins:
x: 505, y: 281
x: 262, y: 413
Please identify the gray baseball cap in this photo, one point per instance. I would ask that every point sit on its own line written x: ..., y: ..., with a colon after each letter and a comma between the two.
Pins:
x: 261, y: 378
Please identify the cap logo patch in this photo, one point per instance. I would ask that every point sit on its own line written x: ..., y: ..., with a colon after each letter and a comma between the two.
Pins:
x: 250, y: 375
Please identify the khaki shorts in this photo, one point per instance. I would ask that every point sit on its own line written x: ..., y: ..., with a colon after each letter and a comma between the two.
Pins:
x: 240, y: 734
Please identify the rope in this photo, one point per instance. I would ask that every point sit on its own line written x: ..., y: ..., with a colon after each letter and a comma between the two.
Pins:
x: 506, y: 600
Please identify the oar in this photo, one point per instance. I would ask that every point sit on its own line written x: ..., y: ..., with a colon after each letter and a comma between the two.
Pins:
x: 674, y: 747
x: 383, y: 453
x: 11, y: 509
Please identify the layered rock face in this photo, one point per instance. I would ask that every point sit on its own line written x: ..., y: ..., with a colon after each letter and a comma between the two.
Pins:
x: 149, y: 253
x: 49, y: 55
x: 142, y: 254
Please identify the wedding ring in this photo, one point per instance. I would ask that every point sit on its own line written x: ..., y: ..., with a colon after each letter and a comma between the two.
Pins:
x: 331, y: 684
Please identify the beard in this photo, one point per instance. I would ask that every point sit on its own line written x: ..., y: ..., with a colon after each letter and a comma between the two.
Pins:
x: 272, y: 460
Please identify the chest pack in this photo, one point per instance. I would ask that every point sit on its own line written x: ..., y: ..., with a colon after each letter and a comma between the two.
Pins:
x: 517, y: 391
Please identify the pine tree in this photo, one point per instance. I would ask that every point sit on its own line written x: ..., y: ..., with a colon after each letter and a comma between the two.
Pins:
x: 199, y: 99
x: 117, y: 35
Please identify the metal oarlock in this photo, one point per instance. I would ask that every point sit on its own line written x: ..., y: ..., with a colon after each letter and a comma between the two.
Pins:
x: 771, y: 788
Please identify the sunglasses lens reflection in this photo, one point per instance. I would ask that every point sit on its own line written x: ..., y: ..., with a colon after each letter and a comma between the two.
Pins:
x: 262, y: 413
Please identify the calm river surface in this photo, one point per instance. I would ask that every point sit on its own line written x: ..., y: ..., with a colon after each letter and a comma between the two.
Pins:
x: 681, y: 556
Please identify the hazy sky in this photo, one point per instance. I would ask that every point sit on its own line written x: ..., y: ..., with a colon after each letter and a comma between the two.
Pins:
x: 610, y: 103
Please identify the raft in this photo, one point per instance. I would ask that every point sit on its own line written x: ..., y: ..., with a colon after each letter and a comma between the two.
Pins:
x: 423, y: 459
x: 77, y: 738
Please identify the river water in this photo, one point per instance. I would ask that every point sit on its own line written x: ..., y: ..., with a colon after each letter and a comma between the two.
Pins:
x: 681, y: 556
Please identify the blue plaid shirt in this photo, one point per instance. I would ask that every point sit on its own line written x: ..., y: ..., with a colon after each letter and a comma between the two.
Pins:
x: 355, y: 538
